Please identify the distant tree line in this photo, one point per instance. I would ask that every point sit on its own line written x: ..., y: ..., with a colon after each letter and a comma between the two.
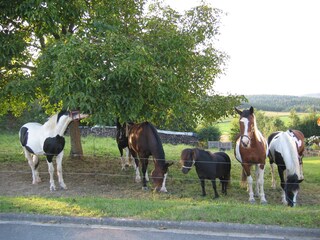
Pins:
x: 267, y: 125
x: 280, y: 103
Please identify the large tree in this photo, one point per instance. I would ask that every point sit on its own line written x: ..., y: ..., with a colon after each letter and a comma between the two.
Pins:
x: 113, y: 59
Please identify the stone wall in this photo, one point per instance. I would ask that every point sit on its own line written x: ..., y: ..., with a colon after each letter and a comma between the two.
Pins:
x: 166, y: 136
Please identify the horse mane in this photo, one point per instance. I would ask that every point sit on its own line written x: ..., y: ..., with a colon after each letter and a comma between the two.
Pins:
x: 51, y: 122
x: 257, y: 132
x: 291, y: 150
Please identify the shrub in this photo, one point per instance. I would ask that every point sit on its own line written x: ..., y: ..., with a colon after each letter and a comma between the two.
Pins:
x: 210, y: 133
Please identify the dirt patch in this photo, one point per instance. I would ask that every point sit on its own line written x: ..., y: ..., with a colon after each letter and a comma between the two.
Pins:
x: 103, y: 177
x: 89, y: 177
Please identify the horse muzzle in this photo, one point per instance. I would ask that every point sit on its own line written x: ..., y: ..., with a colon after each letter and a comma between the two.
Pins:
x: 245, y: 141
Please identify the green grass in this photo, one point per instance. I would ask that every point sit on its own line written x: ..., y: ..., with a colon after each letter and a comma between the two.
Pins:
x: 182, y: 203
x: 161, y: 207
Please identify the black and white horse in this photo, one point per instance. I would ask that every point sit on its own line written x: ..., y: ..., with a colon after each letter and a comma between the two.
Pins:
x: 47, y: 139
x: 283, y: 151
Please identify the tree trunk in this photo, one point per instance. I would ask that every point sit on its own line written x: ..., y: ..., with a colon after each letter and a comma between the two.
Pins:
x: 76, y: 151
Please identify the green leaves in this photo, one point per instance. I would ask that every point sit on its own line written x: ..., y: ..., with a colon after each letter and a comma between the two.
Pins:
x: 110, y: 59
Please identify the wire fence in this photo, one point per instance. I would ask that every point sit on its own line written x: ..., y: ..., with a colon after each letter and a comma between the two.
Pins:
x: 102, y: 165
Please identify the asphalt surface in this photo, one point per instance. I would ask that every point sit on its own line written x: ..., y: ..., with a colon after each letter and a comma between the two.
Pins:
x: 29, y: 226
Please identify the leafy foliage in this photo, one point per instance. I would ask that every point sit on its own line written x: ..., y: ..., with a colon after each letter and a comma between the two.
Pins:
x: 210, y: 133
x: 113, y: 61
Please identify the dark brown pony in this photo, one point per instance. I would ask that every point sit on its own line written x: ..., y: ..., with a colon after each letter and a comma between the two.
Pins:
x: 208, y: 166
x: 143, y: 142
x: 251, y: 149
x: 298, y: 138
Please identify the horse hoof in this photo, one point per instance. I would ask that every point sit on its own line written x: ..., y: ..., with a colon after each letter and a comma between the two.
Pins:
x: 163, y: 190
x: 52, y: 188
x: 264, y: 202
x: 145, y: 188
x: 252, y: 201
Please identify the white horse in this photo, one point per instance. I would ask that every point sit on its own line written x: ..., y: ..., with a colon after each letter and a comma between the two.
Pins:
x: 283, y: 151
x: 47, y: 139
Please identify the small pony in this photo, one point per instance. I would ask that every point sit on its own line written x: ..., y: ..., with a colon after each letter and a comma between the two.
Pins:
x: 283, y: 151
x: 251, y: 149
x: 47, y: 139
x: 143, y: 142
x: 208, y: 166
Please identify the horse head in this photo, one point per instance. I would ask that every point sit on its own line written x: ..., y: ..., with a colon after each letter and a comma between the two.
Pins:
x: 121, y: 134
x: 247, y: 126
x: 188, y: 157
x: 159, y: 175
x: 291, y: 189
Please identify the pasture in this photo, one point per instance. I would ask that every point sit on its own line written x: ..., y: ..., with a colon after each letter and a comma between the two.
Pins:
x: 97, y: 187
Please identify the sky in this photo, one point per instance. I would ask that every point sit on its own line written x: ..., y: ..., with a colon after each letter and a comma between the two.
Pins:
x: 273, y: 45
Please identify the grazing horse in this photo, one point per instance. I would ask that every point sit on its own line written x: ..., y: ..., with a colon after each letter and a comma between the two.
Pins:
x: 122, y: 142
x: 283, y: 151
x: 144, y: 141
x: 298, y: 137
x: 208, y: 166
x: 251, y: 149
x: 47, y: 139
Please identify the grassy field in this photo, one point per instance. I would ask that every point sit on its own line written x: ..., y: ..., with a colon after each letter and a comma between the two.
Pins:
x: 183, y: 202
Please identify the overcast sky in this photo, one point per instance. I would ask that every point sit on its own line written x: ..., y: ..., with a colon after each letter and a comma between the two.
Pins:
x: 274, y: 45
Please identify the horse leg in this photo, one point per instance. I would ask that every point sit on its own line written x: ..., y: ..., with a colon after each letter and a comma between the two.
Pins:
x: 33, y: 161
x: 136, y: 167
x: 59, y: 170
x: 223, y: 182
x: 127, y: 161
x: 246, y: 172
x: 121, y: 157
x: 144, y: 161
x: 257, y: 192
x: 202, y: 183
x: 260, y: 181
x: 251, y: 195
x: 273, y: 179
x: 51, y: 170
x: 281, y: 175
x: 214, y: 186
x: 163, y: 187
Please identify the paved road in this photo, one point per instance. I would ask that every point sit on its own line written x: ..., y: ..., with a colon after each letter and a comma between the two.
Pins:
x: 24, y: 227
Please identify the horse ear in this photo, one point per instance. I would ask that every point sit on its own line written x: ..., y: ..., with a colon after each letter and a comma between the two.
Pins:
x: 238, y: 111
x: 251, y: 110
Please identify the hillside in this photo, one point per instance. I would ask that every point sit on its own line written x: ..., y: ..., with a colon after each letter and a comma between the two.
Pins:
x: 283, y: 103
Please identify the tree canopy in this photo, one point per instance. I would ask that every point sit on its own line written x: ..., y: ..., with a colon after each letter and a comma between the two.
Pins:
x: 118, y: 58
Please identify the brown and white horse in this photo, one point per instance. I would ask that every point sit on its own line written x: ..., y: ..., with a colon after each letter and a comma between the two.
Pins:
x: 251, y: 149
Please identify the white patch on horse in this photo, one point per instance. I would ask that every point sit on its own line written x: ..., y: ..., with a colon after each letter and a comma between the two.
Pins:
x: 238, y: 155
x: 246, y: 140
x: 163, y: 187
